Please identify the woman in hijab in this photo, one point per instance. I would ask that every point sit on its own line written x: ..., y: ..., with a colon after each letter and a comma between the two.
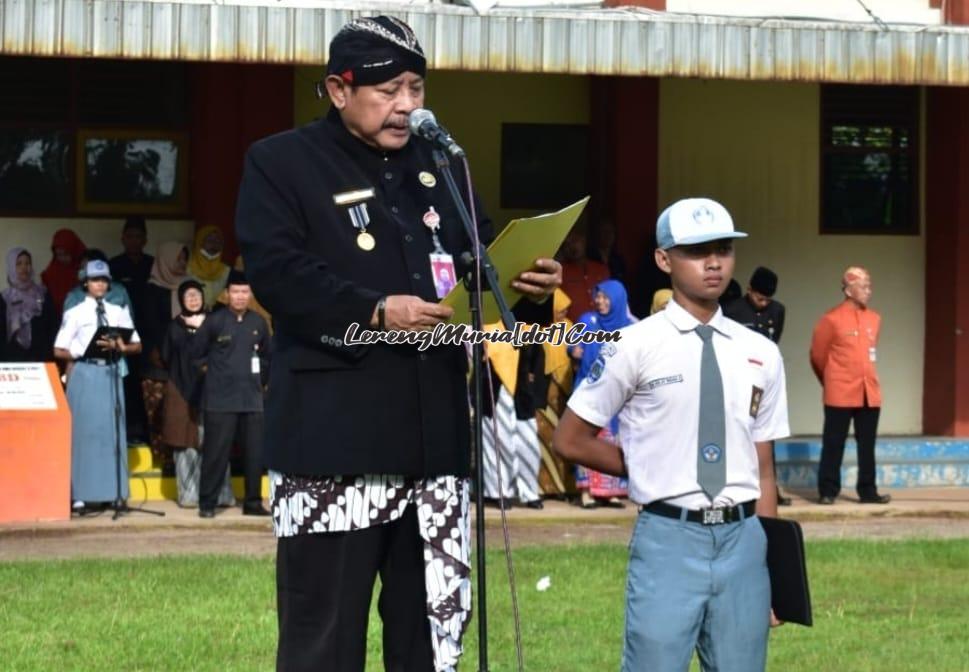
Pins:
x: 183, y: 389
x: 161, y: 306
x: 205, y: 263
x: 611, y: 313
x: 27, y: 313
x: 60, y: 276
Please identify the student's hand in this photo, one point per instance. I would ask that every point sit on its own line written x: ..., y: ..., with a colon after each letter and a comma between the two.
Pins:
x: 774, y: 621
x: 111, y: 344
x: 411, y: 313
x: 541, y: 281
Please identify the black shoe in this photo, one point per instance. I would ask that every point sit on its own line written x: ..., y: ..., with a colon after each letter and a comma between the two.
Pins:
x: 535, y: 504
x: 826, y: 500
x: 255, y: 510
x: 206, y: 513
x: 875, y: 499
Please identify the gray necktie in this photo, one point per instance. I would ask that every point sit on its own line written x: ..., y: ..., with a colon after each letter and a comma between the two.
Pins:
x: 711, y: 461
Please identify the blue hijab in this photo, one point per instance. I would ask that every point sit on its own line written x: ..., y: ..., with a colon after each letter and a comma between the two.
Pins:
x: 617, y: 318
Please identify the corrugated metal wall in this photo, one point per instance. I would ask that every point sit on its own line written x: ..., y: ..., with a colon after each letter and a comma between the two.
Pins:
x: 607, y: 42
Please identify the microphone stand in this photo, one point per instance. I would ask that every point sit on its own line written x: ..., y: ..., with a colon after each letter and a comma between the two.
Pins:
x: 120, y: 505
x: 479, y: 256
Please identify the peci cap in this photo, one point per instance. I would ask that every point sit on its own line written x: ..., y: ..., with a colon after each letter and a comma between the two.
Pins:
x: 691, y: 221
x: 236, y: 277
x: 764, y: 281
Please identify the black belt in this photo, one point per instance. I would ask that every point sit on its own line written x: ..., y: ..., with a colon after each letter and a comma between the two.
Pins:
x: 95, y: 360
x: 715, y: 515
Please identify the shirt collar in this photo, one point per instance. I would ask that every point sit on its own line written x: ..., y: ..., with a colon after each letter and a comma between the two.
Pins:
x: 684, y: 322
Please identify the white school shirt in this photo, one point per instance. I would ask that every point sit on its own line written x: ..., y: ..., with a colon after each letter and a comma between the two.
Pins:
x: 651, y: 379
x: 81, y: 322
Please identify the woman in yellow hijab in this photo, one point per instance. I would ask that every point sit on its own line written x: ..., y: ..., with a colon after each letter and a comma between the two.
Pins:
x: 205, y: 263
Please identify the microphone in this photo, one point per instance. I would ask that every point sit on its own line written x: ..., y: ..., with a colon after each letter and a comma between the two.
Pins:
x: 423, y: 123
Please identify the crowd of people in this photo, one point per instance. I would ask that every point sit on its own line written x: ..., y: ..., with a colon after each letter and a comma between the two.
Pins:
x: 169, y: 350
x: 530, y: 392
x: 369, y: 461
x: 170, y: 390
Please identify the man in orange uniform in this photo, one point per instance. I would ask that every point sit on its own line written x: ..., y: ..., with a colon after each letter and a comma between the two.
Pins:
x: 843, y: 356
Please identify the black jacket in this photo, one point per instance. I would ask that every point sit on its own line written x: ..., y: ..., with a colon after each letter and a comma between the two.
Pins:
x: 227, y: 344
x: 331, y: 408
x: 768, y: 322
x: 183, y: 370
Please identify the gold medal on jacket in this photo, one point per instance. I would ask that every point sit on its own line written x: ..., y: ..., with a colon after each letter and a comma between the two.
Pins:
x: 365, y: 241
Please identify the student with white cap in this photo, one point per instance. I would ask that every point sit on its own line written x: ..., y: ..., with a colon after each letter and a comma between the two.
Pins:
x: 91, y: 392
x: 699, y: 399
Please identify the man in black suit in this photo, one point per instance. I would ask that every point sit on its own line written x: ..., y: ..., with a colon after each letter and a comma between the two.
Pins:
x: 367, y: 445
x: 758, y: 310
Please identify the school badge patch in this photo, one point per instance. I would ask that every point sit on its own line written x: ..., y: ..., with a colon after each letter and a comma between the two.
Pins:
x: 595, y: 371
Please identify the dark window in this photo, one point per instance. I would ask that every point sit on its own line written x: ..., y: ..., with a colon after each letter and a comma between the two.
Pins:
x: 543, y: 166
x: 869, y: 159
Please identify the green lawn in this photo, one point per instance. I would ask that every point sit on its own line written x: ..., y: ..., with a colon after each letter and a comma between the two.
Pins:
x: 885, y: 606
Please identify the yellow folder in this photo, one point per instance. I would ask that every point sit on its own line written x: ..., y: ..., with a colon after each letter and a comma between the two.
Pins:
x: 514, y: 250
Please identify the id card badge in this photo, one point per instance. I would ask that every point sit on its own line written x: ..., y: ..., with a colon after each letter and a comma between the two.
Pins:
x: 442, y: 269
x: 254, y: 366
x: 872, y: 355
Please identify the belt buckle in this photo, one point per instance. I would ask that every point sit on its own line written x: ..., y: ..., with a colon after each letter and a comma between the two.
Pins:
x: 713, y: 516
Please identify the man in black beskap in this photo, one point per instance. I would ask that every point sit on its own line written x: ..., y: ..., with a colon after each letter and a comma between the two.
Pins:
x: 131, y: 268
x: 234, y: 343
x: 758, y: 310
x: 367, y: 445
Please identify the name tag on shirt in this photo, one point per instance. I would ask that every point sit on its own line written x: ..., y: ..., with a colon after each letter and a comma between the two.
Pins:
x: 872, y: 355
x: 255, y: 364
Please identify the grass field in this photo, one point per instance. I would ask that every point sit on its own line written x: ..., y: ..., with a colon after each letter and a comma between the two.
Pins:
x: 885, y: 606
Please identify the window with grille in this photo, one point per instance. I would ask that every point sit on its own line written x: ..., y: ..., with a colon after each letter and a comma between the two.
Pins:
x: 869, y: 159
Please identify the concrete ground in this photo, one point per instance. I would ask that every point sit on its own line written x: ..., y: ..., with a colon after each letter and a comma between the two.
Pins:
x: 915, y: 512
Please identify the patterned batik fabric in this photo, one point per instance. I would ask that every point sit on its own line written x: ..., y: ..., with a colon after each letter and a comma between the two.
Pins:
x: 318, y: 505
x: 513, y: 455
x: 599, y: 484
